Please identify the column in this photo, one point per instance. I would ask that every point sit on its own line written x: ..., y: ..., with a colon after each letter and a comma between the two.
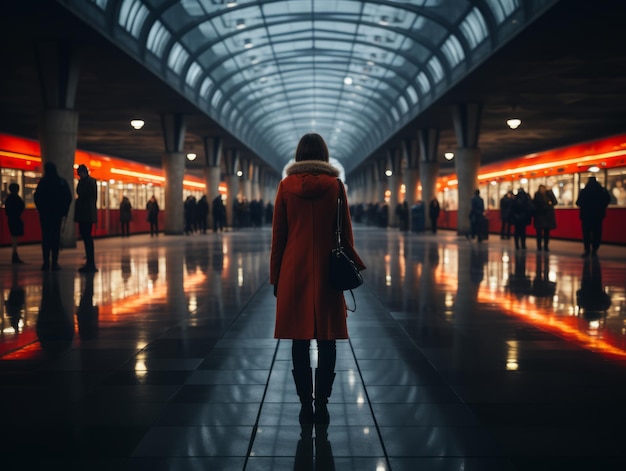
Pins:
x: 213, y: 166
x: 58, y: 127
x: 394, y: 162
x: 466, y: 120
x: 429, y: 168
x: 174, y: 126
x: 231, y: 160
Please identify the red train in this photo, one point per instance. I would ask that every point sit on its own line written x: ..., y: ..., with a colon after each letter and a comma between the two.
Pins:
x: 20, y: 162
x: 565, y: 170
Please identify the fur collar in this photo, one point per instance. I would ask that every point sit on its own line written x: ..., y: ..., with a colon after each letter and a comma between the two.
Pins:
x: 312, y: 166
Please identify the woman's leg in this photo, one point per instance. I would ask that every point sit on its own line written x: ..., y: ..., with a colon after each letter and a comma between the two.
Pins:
x: 324, y: 378
x: 303, y: 377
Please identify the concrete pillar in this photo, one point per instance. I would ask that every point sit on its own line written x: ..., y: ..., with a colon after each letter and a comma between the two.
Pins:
x: 213, y: 155
x: 467, y: 167
x: 174, y: 170
x: 57, y: 137
x: 173, y: 126
x: 466, y: 120
x: 232, y: 183
x: 58, y: 68
x: 429, y: 167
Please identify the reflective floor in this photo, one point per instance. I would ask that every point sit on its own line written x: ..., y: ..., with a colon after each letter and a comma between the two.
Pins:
x: 462, y: 356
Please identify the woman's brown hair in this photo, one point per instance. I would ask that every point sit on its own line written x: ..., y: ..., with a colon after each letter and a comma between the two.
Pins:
x: 312, y: 147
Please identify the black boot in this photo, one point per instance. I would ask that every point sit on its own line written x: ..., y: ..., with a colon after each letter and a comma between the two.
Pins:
x: 324, y: 379
x: 303, y: 377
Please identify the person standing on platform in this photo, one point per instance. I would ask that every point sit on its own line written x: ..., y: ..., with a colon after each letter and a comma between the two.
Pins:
x: 86, y: 214
x: 202, y: 209
x: 307, y: 307
x: 219, y: 214
x: 592, y: 200
x: 477, y: 209
x: 14, y: 207
x: 544, y: 216
x: 126, y: 216
x: 505, y: 215
x: 433, y: 213
x: 152, y: 206
x: 521, y: 214
x: 52, y: 199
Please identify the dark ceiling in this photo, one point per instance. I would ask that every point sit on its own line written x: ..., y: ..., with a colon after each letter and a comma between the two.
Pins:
x: 565, y: 75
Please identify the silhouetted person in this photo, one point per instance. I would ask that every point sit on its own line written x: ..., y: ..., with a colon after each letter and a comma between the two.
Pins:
x: 14, y: 207
x: 402, y: 211
x: 152, y: 206
x: 87, y: 313
x: 544, y: 216
x: 15, y: 303
x: 55, y: 323
x: 52, y: 198
x: 86, y: 214
x: 521, y: 214
x: 219, y: 214
x: 433, y: 213
x: 477, y: 208
x: 591, y: 297
x: 542, y: 286
x: 506, y: 202
x: 189, y: 211
x: 126, y: 216
x: 519, y: 282
x: 592, y: 201
x: 202, y: 213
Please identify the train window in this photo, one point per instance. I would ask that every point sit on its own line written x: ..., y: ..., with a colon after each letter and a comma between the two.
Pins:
x: 9, y: 176
x: 31, y: 179
x: 563, y: 189
x: 616, y: 185
x: 450, y: 200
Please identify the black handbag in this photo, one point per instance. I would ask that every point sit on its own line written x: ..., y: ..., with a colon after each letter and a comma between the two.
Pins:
x: 344, y: 274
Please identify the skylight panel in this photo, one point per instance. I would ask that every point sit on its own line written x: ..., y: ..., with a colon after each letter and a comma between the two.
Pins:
x: 474, y: 28
x: 132, y: 16
x: 453, y: 51
x: 158, y: 37
x: 193, y: 74
x: 502, y: 9
x: 177, y: 58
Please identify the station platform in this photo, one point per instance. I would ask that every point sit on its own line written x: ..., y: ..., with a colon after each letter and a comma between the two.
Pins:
x: 462, y: 356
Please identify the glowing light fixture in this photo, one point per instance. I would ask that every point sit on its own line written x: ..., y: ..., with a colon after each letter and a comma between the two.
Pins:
x: 239, y: 173
x: 513, y: 123
x: 191, y: 156
x: 594, y: 169
x: 241, y: 24
x: 347, y: 80
x: 137, y: 123
x: 388, y: 173
x: 248, y: 44
x: 449, y: 155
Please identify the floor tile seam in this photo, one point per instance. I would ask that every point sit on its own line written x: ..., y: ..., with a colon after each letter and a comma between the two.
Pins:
x: 369, y: 404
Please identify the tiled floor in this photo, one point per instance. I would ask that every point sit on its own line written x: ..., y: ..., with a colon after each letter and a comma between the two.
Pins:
x: 462, y: 356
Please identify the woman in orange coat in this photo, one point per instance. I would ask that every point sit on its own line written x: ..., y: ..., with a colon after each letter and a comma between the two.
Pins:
x: 307, y: 307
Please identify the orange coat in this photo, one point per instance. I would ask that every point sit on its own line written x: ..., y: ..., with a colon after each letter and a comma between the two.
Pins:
x: 303, y: 230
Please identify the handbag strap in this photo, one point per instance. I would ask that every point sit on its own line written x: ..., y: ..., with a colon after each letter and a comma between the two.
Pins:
x: 339, y: 228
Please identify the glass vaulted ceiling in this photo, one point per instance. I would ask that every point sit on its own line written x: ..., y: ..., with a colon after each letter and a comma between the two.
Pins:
x: 270, y: 71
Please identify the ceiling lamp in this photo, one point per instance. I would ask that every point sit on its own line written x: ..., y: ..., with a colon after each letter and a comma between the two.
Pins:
x: 248, y: 43
x: 513, y: 123
x: 241, y: 24
x: 449, y: 155
x: 137, y: 123
x: 191, y: 156
x: 347, y: 80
